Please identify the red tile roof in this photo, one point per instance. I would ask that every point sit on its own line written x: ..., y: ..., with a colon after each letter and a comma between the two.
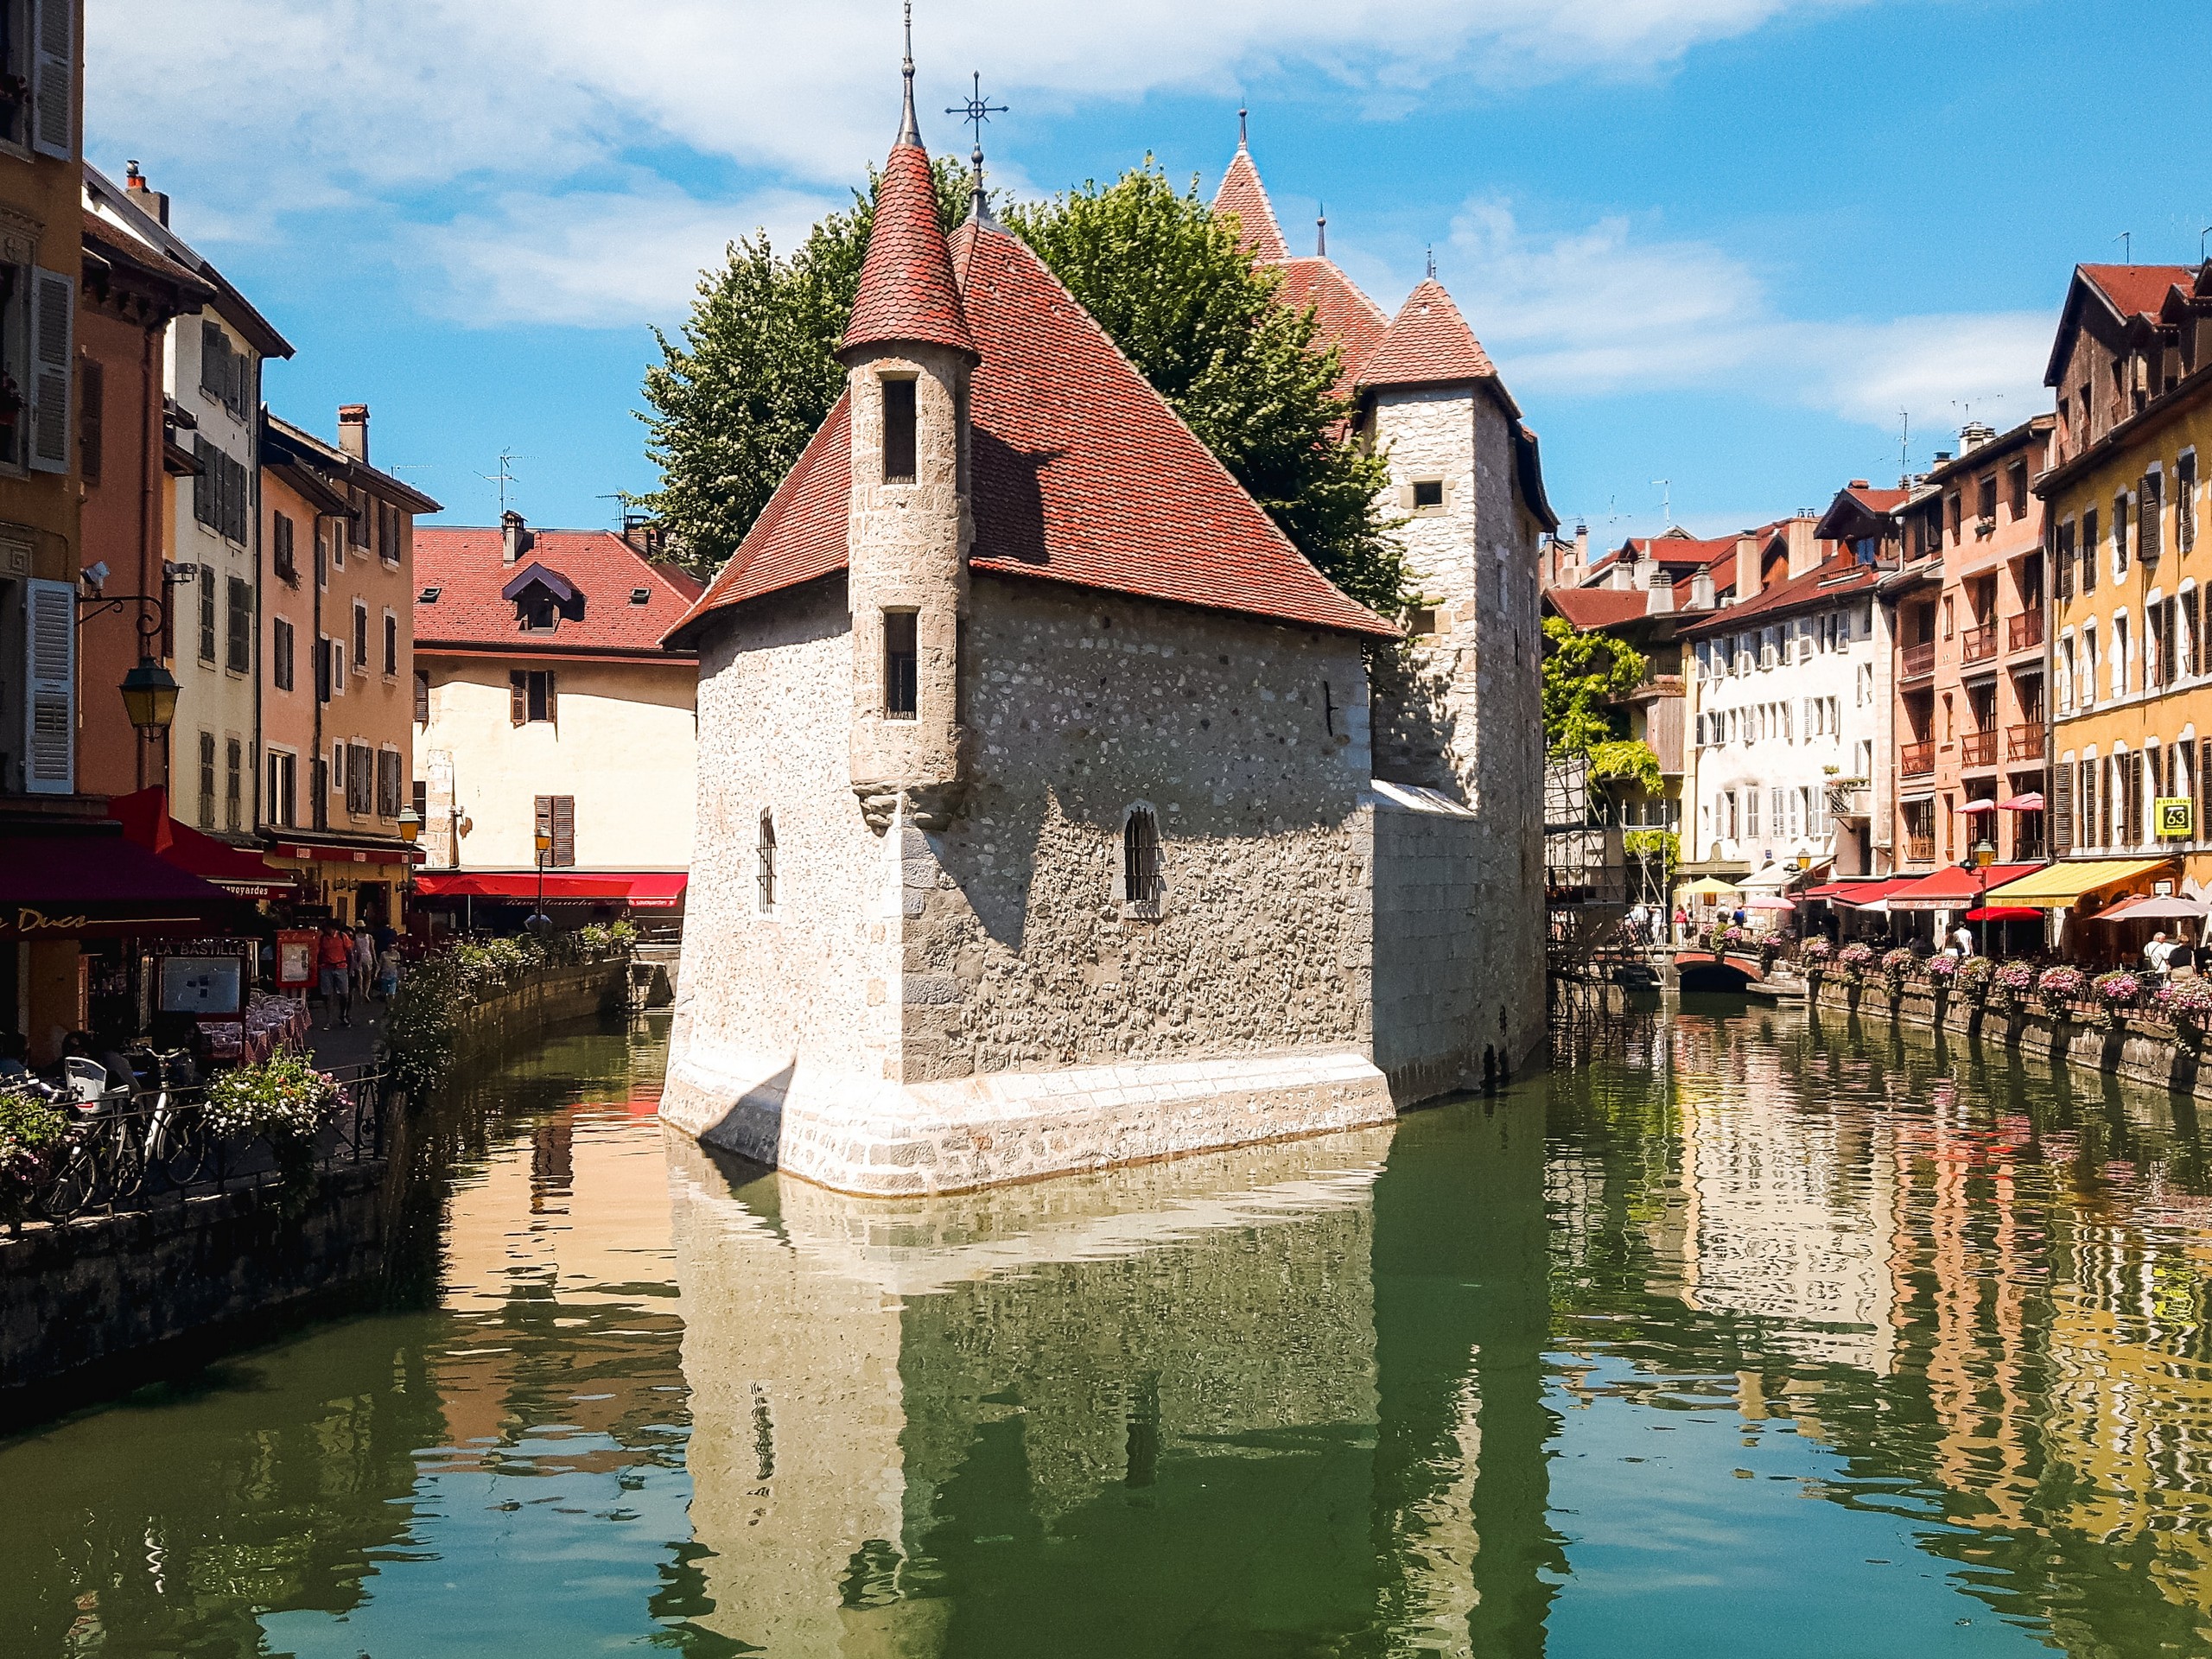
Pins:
x: 1877, y: 500
x: 1833, y: 577
x: 1343, y: 316
x: 1084, y: 475
x: 1428, y: 343
x: 1243, y: 195
x: 2137, y: 290
x: 467, y: 567
x: 906, y: 291
x: 1599, y: 608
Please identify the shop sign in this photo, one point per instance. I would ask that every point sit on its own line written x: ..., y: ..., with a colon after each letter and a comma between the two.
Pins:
x: 2176, y: 816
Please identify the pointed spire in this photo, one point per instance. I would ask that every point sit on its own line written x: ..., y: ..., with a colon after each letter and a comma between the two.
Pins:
x: 910, y: 130
x: 1321, y: 231
x: 1243, y: 195
x: 979, y: 199
x: 908, y: 293
x: 1428, y: 344
x: 1242, y: 137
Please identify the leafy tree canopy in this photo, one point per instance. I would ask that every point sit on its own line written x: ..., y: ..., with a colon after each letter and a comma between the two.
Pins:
x: 733, y: 405
x: 1582, y: 673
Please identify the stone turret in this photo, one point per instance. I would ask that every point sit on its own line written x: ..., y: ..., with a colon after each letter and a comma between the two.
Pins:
x: 908, y: 355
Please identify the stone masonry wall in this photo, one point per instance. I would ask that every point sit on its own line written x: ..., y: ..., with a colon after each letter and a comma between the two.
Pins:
x: 818, y: 976
x: 1431, y: 947
x: 1018, y: 954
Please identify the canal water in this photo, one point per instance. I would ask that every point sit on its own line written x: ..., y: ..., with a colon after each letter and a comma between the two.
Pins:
x: 1727, y: 1338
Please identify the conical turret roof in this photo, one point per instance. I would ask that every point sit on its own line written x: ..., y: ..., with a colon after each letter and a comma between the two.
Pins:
x: 1428, y: 344
x: 1243, y: 195
x: 906, y: 291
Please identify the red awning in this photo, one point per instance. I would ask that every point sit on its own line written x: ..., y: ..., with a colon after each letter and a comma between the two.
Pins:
x: 75, y: 883
x: 326, y: 852
x: 1855, y: 894
x: 146, y: 822
x: 648, y: 890
x: 1954, y: 888
x: 2005, y: 913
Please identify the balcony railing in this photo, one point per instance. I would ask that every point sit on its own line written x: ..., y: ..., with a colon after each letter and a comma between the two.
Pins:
x: 1978, y: 644
x: 1978, y: 750
x: 1920, y: 849
x: 1917, y: 759
x: 1919, y: 661
x: 2023, y: 743
x: 2024, y: 630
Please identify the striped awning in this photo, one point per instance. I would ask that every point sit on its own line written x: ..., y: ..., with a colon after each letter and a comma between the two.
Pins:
x: 2059, y: 887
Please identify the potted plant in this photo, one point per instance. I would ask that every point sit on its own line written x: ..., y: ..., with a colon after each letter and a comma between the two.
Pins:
x: 1813, y: 957
x: 1975, y: 976
x: 1942, y: 975
x: 32, y: 1132
x: 1897, y: 968
x: 2116, y: 993
x: 2058, y: 987
x: 2186, y: 1004
x: 2014, y: 983
x: 1853, y: 959
x: 283, y: 1101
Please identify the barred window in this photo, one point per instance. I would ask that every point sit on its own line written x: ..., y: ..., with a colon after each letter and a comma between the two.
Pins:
x: 768, y: 871
x: 1140, y: 883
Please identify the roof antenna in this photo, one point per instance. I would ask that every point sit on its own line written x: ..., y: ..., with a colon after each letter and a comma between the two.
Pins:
x: 1666, y: 500
x: 1321, y: 231
x: 505, y: 476
x: 2201, y: 235
x: 910, y: 131
x: 2126, y: 240
x: 1432, y: 261
x: 1904, y: 448
x: 975, y: 111
x: 1240, y: 128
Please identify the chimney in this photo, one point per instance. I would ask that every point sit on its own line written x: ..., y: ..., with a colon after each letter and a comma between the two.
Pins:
x: 1973, y: 436
x: 143, y: 197
x: 1582, y: 546
x: 1660, y: 600
x: 353, y: 430
x: 1702, y: 597
x: 1943, y: 456
x: 1747, y: 566
x: 514, y: 537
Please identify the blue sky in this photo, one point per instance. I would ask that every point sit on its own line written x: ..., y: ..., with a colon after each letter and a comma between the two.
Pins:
x: 1717, y: 242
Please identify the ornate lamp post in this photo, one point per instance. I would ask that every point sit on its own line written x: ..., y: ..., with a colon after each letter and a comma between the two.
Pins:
x: 538, y: 923
x: 411, y: 826
x: 1983, y: 856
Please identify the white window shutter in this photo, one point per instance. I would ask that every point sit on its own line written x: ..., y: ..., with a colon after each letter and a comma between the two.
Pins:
x: 53, y: 79
x: 53, y: 316
x: 50, y: 710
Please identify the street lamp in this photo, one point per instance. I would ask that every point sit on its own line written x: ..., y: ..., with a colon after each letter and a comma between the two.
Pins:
x: 1983, y: 856
x: 410, y: 825
x: 538, y: 923
x: 149, y: 698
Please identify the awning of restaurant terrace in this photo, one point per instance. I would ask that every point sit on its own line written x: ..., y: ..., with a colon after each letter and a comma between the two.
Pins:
x: 78, y: 883
x: 2059, y: 886
x: 1954, y: 888
x: 1869, y: 894
x: 645, y: 890
x: 146, y: 823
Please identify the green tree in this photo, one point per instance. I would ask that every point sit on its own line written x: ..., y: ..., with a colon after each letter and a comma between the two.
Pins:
x: 1169, y: 283
x: 1583, y: 672
x: 732, y: 406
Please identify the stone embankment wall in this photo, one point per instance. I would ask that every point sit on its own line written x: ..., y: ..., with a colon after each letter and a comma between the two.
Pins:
x: 101, y: 1301
x: 2142, y: 1051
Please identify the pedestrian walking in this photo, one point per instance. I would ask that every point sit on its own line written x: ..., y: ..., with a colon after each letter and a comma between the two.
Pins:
x: 364, y: 960
x: 333, y: 959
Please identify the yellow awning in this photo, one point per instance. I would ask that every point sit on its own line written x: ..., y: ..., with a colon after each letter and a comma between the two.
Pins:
x: 2055, y: 887
x: 1706, y: 886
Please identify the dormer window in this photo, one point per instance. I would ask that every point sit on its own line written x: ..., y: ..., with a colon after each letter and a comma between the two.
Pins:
x: 543, y: 599
x: 539, y: 612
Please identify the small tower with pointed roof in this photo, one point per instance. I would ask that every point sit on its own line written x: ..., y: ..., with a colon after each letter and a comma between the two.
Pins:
x: 908, y: 355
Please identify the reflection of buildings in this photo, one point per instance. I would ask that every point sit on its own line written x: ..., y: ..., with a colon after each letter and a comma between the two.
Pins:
x: 942, y: 1425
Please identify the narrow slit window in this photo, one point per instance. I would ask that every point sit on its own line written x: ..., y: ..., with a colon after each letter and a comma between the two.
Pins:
x: 901, y: 664
x: 1140, y: 857
x: 768, y: 864
x: 898, y: 431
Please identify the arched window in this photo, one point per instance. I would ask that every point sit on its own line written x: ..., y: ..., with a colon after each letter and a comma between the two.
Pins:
x: 767, y: 864
x: 1140, y: 883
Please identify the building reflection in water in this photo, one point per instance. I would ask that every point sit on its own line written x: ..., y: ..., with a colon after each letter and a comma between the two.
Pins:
x: 1263, y: 1395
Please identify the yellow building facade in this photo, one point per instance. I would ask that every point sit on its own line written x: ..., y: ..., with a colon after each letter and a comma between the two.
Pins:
x: 2132, y: 696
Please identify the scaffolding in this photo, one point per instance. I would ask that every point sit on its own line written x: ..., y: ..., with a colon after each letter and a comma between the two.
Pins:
x: 1585, y: 872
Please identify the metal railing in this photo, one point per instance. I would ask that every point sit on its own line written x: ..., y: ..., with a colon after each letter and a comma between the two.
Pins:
x: 1916, y: 759
x: 2025, y: 630
x: 1978, y: 748
x: 1920, y: 849
x: 150, y: 1148
x: 1918, y: 662
x: 1978, y: 644
x: 2023, y: 743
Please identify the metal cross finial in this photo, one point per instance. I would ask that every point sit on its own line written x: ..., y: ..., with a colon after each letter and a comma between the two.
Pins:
x: 1321, y: 231
x: 976, y: 110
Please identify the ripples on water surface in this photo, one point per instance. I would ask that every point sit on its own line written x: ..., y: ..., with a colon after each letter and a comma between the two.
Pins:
x: 1728, y: 1339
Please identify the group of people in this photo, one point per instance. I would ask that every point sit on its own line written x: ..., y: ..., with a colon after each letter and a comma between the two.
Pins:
x: 350, y: 962
x: 2165, y: 958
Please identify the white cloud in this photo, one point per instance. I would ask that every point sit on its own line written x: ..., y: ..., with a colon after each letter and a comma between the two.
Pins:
x: 1597, y: 310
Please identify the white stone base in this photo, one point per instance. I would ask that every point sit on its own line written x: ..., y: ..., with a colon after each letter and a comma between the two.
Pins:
x: 889, y: 1140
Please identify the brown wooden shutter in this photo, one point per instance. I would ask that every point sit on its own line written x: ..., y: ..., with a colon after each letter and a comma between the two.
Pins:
x: 518, y: 698
x: 564, y: 831
x: 552, y: 713
x: 2062, y: 811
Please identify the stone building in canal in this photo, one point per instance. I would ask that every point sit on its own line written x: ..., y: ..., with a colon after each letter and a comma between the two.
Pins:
x: 1046, y: 819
